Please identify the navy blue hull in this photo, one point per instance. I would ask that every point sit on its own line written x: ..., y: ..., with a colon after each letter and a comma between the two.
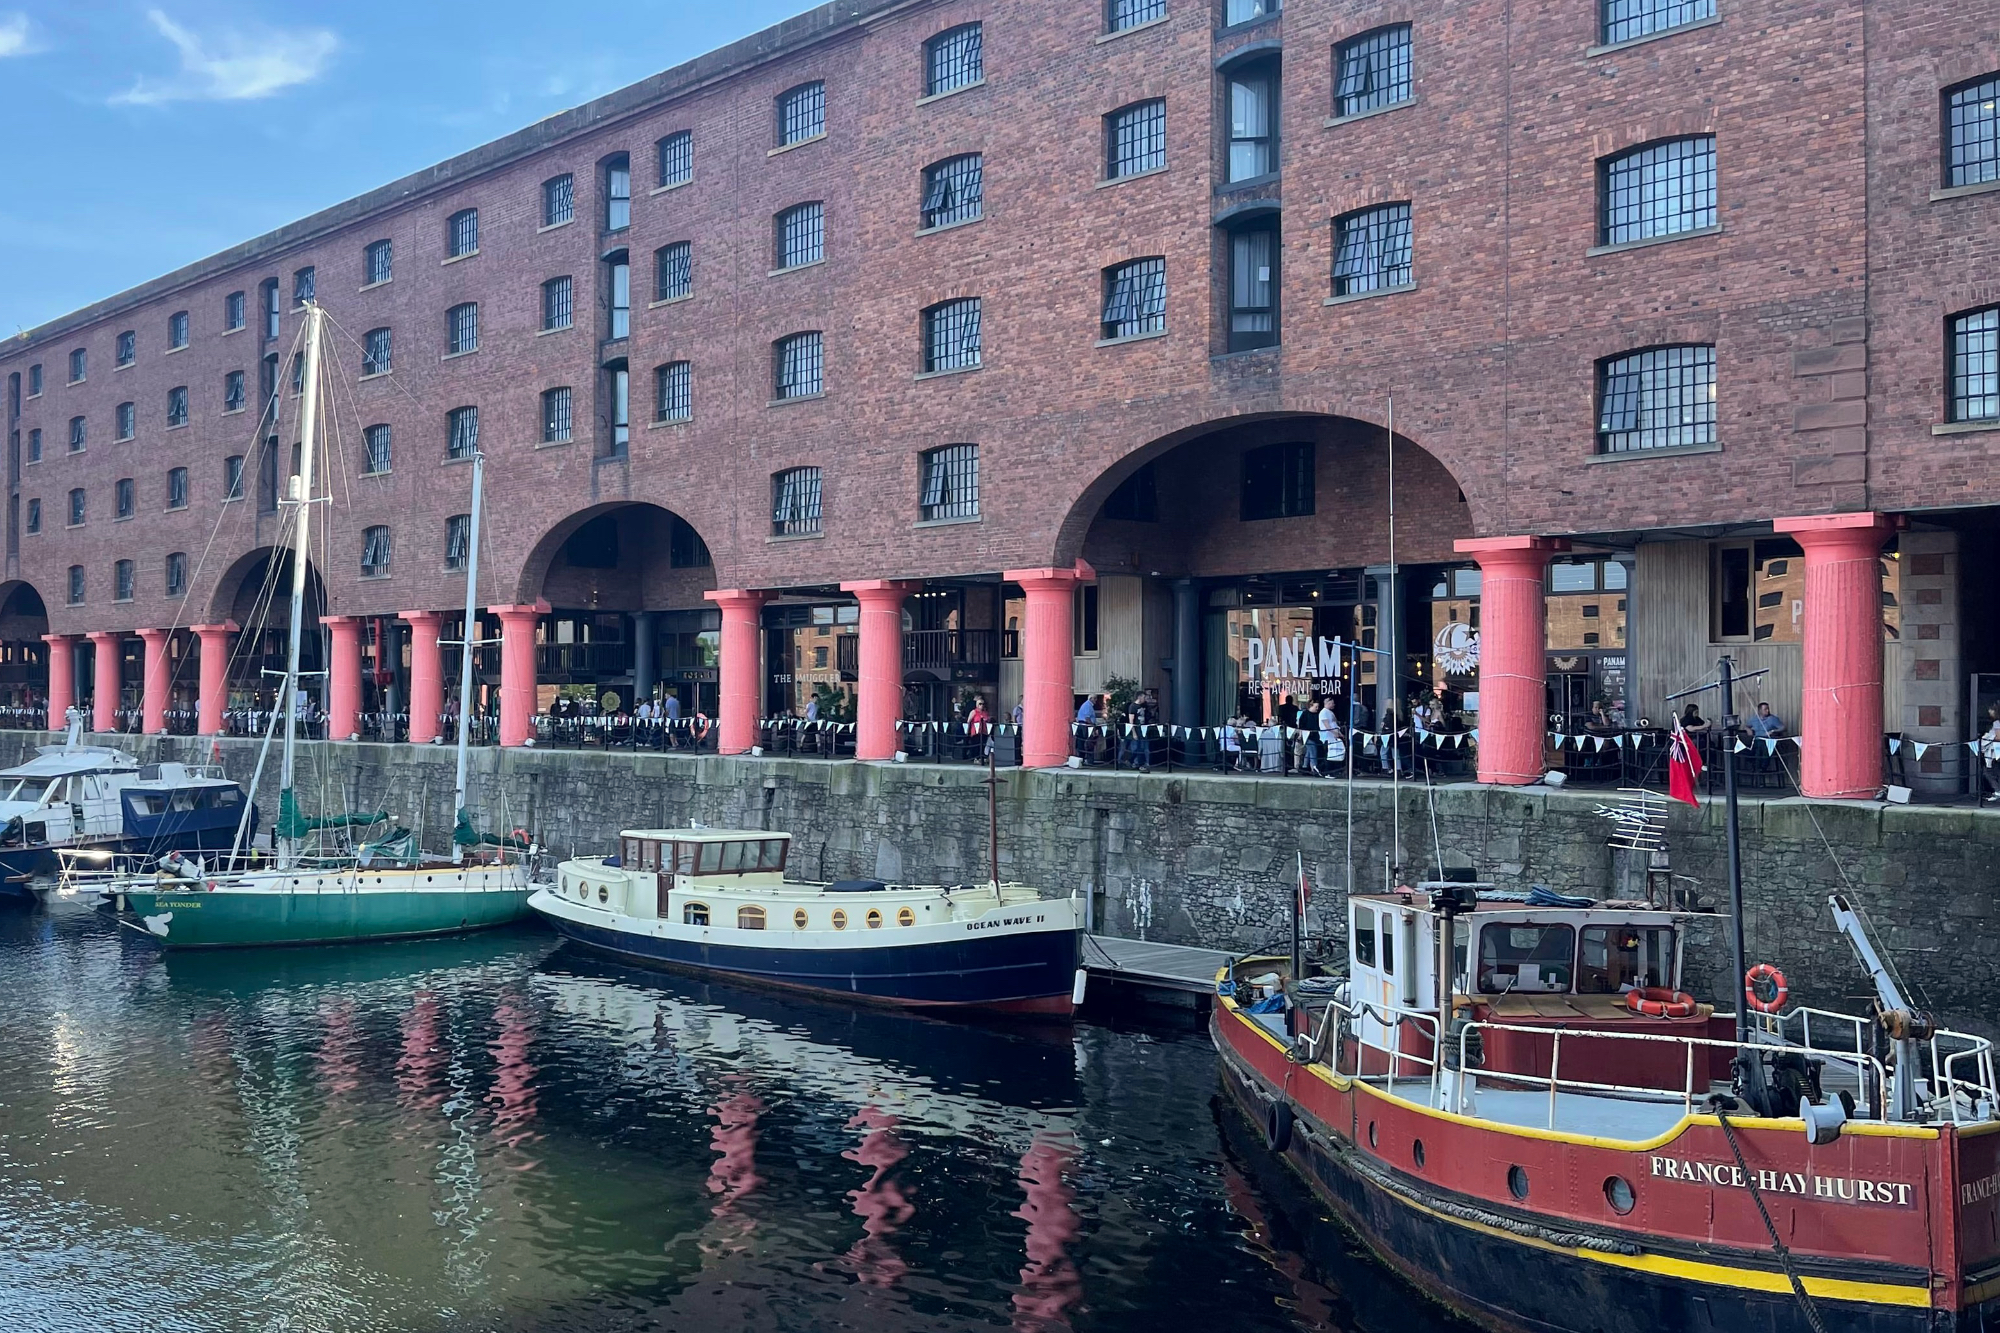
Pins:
x: 171, y: 833
x: 1028, y: 972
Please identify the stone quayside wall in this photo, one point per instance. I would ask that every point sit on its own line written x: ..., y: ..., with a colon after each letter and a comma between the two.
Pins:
x: 1197, y: 859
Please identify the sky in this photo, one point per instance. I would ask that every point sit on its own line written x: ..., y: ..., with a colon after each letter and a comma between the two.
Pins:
x: 141, y: 136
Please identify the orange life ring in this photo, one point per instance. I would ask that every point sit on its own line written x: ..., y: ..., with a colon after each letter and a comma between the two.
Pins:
x: 1761, y: 976
x: 698, y: 725
x: 1660, y: 1002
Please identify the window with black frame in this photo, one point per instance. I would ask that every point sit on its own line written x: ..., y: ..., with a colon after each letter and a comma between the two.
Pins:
x: 557, y: 304
x: 76, y: 585
x: 673, y: 391
x: 1135, y: 298
x: 618, y: 402
x: 800, y: 366
x: 1656, y: 398
x: 954, y: 59
x: 556, y: 415
x: 953, y: 190
x: 232, y: 311
x: 375, y: 553
x: 34, y: 516
x: 232, y: 477
x: 949, y: 483
x: 378, y: 447
x: 126, y: 495
x: 272, y: 306
x: 795, y: 496
x: 304, y: 285
x: 378, y: 262
x: 673, y: 271
x: 1373, y: 71
x: 1123, y: 14
x: 1246, y: 11
x: 457, y: 540
x: 35, y: 445
x: 78, y: 434
x: 1629, y: 20
x: 1662, y: 189
x: 176, y: 573
x: 232, y: 391
x: 177, y: 406
x: 1135, y: 139
x: 462, y: 432
x: 125, y: 349
x: 462, y: 233
x: 951, y: 336
x: 1279, y: 481
x: 1253, y: 120
x: 125, y: 580
x: 1974, y: 372
x: 618, y: 279
x: 177, y: 488
x: 462, y: 329
x: 1253, y: 284
x: 558, y: 200
x: 799, y: 236
x: 676, y: 158
x: 685, y: 548
x: 79, y: 365
x: 124, y: 421
x: 377, y: 348
x: 1372, y: 250
x: 617, y: 192
x: 1972, y: 132
x: 801, y: 113
x: 177, y: 330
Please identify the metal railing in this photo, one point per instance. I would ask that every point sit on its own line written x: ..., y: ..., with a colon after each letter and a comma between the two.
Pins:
x: 942, y: 649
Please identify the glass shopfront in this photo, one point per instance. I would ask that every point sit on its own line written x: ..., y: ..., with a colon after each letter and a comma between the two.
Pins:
x: 689, y: 651
x: 812, y: 651
x: 1273, y: 643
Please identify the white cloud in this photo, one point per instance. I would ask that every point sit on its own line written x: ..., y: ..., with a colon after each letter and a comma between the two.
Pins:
x: 233, y: 66
x: 16, y: 38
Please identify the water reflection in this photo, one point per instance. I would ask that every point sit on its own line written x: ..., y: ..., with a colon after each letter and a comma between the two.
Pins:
x: 490, y: 1134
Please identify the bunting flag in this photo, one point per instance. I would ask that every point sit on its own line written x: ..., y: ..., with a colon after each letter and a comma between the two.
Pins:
x: 1770, y: 745
x: 1739, y: 747
x: 1895, y: 744
x: 1920, y: 748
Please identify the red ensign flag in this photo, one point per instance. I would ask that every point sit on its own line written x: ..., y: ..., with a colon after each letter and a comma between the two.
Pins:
x: 1683, y: 767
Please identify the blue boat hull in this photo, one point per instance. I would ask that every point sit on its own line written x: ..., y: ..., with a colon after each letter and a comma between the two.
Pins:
x: 1016, y: 973
x: 176, y: 832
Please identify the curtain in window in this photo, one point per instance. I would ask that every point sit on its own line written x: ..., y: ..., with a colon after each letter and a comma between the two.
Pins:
x: 1249, y: 127
x: 1250, y: 282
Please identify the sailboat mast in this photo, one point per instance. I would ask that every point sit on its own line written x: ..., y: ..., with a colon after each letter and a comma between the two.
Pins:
x: 1388, y: 669
x: 301, y: 496
x: 465, y: 647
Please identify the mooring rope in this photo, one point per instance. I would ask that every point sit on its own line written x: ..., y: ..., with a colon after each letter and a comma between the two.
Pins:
x: 1777, y: 1246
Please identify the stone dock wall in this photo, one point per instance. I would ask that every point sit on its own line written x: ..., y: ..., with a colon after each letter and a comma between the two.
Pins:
x: 1209, y: 860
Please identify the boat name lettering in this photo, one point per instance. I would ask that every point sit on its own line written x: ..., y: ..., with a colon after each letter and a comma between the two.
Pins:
x: 1979, y: 1191
x: 1838, y: 1189
x: 1006, y: 921
x: 169, y: 904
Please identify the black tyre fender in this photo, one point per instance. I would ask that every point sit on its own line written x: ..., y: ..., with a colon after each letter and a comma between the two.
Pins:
x: 1278, y: 1125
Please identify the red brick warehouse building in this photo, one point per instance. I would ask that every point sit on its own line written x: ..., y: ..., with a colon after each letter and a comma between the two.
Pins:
x: 913, y: 348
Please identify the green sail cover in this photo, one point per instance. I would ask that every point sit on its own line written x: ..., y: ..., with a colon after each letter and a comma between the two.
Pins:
x: 465, y: 835
x: 294, y: 825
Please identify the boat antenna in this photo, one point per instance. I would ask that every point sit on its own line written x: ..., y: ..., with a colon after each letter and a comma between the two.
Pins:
x: 993, y: 809
x: 462, y: 818
x: 1393, y: 675
x: 301, y: 496
x: 1353, y: 663
x: 1726, y: 673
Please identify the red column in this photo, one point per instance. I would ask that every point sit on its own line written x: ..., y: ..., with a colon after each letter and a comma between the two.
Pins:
x: 739, y: 667
x: 879, y: 701
x: 1840, y: 709
x: 214, y: 675
x: 110, y: 652
x: 343, y: 678
x: 153, y: 699
x: 1048, y: 661
x: 1513, y: 644
x: 426, y: 676
x: 62, y: 677
x: 517, y: 670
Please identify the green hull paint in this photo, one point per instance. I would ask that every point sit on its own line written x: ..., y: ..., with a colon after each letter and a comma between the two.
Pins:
x: 224, y: 918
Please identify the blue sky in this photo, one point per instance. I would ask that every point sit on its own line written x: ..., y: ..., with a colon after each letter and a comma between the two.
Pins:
x: 142, y: 136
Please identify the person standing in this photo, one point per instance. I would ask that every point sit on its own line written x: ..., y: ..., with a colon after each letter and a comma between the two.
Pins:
x: 1309, y: 739
x: 1333, y: 751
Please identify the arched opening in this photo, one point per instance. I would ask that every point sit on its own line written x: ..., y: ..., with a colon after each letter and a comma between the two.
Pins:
x: 256, y: 593
x: 627, y: 620
x: 24, y: 671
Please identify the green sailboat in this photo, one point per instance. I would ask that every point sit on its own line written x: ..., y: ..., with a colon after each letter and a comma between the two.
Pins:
x: 379, y: 889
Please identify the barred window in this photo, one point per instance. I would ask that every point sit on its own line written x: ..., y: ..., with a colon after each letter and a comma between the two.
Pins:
x: 557, y: 307
x: 953, y: 59
x: 177, y: 330
x: 379, y: 445
x: 1374, y: 70
x: 76, y: 585
x: 1371, y: 250
x: 126, y: 419
x: 177, y: 573
x: 1975, y: 365
x: 462, y: 328
x: 177, y: 488
x: 376, y: 352
x: 1972, y: 132
x: 1131, y: 13
x: 1659, y: 398
x: 950, y: 482
x: 374, y: 552
x: 954, y: 190
x: 378, y: 262
x: 677, y: 158
x: 78, y: 433
x: 457, y: 540
x: 125, y: 578
x: 79, y: 361
x: 617, y: 192
x: 558, y: 200
x: 673, y: 271
x: 555, y: 415
x: 232, y: 477
x: 177, y: 406
x: 1135, y: 139
x: 799, y: 365
x: 464, y: 432
x: 673, y: 391
x: 35, y: 445
x: 233, y: 315
x: 1242, y: 11
x: 951, y: 335
x: 795, y: 502
x: 685, y: 548
x: 126, y: 350
x: 800, y: 236
x: 34, y: 516
x: 1627, y: 19
x: 1135, y: 298
x: 232, y: 391
x: 303, y: 286
x: 462, y: 232
x: 1659, y: 190
x: 125, y: 495
x: 801, y: 113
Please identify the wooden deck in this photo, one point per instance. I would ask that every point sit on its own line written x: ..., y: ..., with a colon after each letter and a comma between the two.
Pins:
x: 1172, y: 967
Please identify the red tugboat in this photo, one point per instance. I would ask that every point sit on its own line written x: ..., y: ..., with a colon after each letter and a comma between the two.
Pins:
x: 1563, y: 1141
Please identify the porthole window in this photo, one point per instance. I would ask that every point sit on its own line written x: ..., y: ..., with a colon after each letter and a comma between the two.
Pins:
x: 839, y: 919
x: 1372, y: 1141
x: 1417, y: 1153
x: 874, y: 919
x: 1517, y: 1182
x: 905, y: 917
x: 604, y: 893
x: 1618, y: 1193
x: 799, y: 918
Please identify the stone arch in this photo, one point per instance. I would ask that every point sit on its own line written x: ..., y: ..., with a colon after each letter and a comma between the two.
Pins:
x: 625, y: 555
x: 24, y: 619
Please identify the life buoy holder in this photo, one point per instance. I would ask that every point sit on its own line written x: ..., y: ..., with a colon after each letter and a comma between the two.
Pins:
x: 1764, y: 989
x: 1660, y: 1002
